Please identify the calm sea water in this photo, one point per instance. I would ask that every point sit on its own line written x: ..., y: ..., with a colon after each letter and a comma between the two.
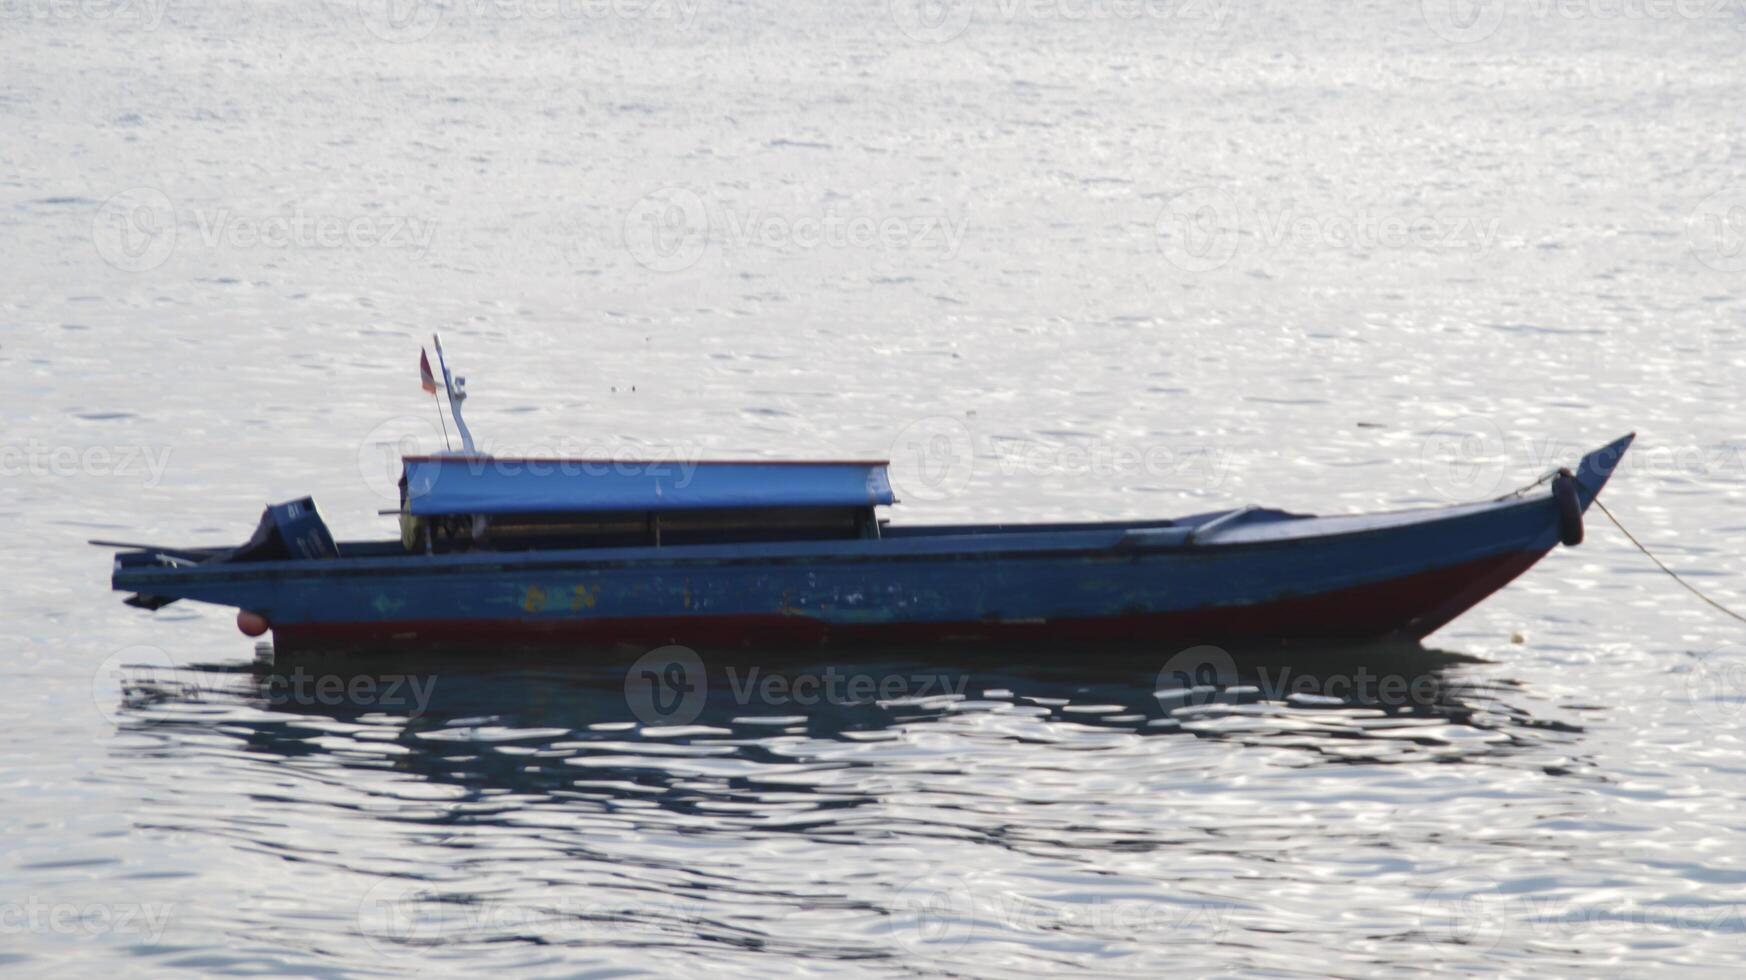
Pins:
x: 1055, y: 259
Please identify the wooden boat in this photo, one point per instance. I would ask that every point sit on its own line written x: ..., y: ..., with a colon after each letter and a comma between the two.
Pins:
x: 514, y: 552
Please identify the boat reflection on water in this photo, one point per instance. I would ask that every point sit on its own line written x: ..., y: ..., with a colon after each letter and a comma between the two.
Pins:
x: 679, y: 800
x: 544, y: 725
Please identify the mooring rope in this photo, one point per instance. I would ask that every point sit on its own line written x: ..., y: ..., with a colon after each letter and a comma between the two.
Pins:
x: 1662, y: 565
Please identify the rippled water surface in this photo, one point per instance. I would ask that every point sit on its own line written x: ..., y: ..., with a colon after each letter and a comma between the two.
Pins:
x: 1056, y: 261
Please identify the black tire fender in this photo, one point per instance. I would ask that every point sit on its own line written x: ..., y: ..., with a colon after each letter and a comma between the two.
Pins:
x: 1569, y: 501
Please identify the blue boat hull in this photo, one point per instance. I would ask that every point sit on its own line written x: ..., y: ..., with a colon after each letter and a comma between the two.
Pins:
x: 1240, y: 577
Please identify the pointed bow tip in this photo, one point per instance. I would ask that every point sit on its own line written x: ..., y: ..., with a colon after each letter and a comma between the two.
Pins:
x: 1597, y: 467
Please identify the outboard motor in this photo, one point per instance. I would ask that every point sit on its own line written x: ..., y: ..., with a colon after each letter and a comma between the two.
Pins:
x: 292, y: 530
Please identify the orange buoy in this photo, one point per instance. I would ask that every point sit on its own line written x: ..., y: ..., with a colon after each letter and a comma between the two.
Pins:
x: 251, y: 623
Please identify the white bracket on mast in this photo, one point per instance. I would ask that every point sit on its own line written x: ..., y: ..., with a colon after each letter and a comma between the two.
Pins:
x: 457, y: 388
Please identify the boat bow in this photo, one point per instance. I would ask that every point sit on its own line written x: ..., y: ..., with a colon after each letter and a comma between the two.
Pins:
x: 1597, y: 467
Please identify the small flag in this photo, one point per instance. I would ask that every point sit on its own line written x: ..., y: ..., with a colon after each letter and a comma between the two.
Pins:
x: 425, y: 378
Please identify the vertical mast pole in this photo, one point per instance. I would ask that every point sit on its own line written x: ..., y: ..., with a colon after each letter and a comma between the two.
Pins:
x: 457, y: 395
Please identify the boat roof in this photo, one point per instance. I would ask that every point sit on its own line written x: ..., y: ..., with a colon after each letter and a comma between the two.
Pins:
x: 477, y: 484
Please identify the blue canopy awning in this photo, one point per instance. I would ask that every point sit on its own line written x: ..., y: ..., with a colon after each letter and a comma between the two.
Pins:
x: 437, y: 485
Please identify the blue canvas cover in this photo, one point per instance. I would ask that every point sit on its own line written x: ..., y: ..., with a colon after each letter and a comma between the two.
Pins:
x: 439, y: 485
